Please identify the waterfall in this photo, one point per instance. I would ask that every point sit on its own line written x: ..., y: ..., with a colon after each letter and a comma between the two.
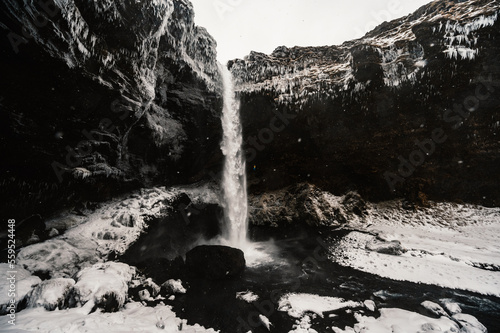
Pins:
x: 234, y: 177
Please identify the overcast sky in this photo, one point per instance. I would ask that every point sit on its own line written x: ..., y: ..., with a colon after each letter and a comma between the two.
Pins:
x: 241, y: 26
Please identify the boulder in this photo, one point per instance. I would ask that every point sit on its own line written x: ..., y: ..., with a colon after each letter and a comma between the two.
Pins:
x: 143, y: 290
x: 307, y: 204
x: 50, y: 294
x: 104, y: 285
x: 214, y: 262
x: 385, y: 247
x: 24, y: 283
x: 30, y: 230
x: 172, y: 286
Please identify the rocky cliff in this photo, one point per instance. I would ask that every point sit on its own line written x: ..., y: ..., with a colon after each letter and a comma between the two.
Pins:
x: 409, y: 110
x: 98, y: 97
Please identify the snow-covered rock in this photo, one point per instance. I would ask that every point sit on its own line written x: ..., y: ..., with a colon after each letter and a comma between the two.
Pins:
x: 469, y: 323
x: 387, y: 247
x: 370, y: 305
x: 303, y: 326
x: 173, y: 287
x: 15, y: 284
x: 247, y: 296
x: 50, y: 294
x: 451, y: 306
x: 265, y: 321
x: 305, y: 203
x: 104, y: 285
x: 144, y: 289
x: 110, y: 229
x: 434, y: 308
x: 298, y: 304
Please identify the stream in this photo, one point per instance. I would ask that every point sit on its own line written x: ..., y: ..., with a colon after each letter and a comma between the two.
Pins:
x: 293, y: 260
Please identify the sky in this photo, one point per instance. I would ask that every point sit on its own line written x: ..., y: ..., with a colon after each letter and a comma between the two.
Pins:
x: 241, y: 26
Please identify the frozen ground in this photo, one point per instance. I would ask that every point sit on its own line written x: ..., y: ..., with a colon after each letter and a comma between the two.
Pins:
x: 80, y: 253
x: 449, y: 245
x: 303, y: 307
x: 133, y: 318
x: 112, y: 228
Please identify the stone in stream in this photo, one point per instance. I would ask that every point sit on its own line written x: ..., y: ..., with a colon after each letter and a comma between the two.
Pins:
x: 215, y: 262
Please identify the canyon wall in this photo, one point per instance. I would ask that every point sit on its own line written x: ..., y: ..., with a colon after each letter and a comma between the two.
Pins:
x: 99, y: 97
x: 412, y: 109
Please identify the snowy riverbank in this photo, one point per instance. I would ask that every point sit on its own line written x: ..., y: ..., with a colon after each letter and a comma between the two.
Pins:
x: 448, y: 245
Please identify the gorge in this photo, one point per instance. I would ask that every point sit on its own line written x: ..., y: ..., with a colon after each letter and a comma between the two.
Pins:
x: 360, y: 180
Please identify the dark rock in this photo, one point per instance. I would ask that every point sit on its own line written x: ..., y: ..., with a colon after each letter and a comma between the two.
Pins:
x: 158, y: 252
x: 143, y: 290
x: 30, y: 231
x: 162, y: 269
x: 215, y: 262
x: 130, y: 98
x: 171, y: 287
x: 305, y: 204
x: 53, y: 232
x: 386, y: 247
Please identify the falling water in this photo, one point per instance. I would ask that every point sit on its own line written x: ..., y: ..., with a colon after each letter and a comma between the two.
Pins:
x: 234, y: 177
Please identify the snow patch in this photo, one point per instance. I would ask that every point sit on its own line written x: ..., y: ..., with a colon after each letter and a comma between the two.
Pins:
x: 134, y: 315
x: 398, y: 320
x: 247, y: 296
x: 296, y: 305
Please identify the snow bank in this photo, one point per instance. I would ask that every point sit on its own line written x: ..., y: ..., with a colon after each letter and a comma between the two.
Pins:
x: 390, y: 319
x: 142, y: 319
x: 449, y: 245
x: 401, y: 321
x: 442, y: 268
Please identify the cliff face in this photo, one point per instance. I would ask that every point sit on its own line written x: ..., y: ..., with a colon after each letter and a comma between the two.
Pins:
x: 411, y: 109
x: 101, y: 96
